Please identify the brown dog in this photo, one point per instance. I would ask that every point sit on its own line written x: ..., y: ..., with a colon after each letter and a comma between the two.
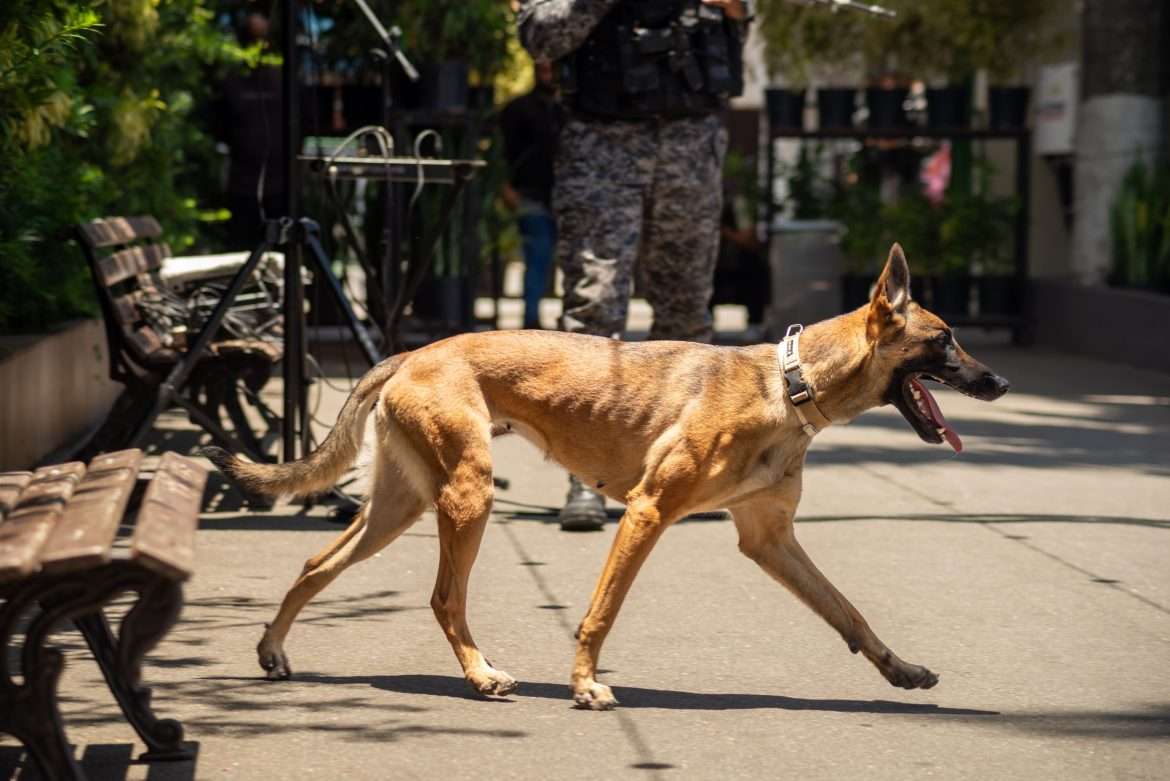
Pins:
x: 668, y: 428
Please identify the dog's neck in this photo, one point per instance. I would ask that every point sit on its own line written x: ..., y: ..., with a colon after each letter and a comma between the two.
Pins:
x: 834, y: 355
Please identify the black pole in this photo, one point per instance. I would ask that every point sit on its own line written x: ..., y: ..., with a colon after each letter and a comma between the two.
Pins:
x: 294, y: 294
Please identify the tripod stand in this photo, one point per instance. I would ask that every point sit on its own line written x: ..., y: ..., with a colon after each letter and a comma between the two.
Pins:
x: 294, y: 236
x: 296, y: 233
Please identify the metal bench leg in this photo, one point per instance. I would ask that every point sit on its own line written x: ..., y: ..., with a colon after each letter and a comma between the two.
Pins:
x: 120, y: 660
x: 29, y: 710
x: 49, y: 748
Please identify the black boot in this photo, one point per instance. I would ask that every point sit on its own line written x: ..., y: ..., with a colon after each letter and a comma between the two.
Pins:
x: 584, y: 509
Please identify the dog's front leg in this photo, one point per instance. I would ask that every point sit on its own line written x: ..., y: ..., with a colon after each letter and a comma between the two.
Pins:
x: 640, y: 528
x: 766, y: 537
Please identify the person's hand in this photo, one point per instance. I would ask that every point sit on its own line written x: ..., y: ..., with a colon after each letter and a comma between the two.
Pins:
x: 732, y: 9
x: 510, y: 197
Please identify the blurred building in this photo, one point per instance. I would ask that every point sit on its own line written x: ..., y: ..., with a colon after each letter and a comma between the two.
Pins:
x: 1098, y: 103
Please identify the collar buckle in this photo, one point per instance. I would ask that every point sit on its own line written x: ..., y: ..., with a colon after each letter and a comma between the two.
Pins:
x: 797, y: 390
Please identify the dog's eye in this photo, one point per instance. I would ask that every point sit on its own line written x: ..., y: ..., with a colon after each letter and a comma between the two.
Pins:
x: 943, y: 338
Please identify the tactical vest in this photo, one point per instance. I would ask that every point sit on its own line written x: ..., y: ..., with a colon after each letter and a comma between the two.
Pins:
x: 655, y: 58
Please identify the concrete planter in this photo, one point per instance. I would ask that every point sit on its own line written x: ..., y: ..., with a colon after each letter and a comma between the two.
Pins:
x: 806, y: 262
x: 1110, y: 323
x: 53, y: 389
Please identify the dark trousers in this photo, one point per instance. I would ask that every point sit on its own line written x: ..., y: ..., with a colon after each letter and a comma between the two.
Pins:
x: 539, y: 231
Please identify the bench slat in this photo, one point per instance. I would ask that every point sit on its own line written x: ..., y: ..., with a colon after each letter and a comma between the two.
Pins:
x: 86, y: 531
x: 126, y: 308
x: 130, y: 262
x: 120, y: 230
x: 11, y: 484
x: 164, y: 534
x: 30, y: 521
x: 145, y: 340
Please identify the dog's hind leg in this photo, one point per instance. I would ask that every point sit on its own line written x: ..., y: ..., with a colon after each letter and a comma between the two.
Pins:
x: 766, y: 537
x: 463, y: 506
x: 393, y: 506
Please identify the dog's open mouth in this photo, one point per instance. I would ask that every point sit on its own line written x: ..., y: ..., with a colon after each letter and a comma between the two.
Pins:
x: 924, y: 414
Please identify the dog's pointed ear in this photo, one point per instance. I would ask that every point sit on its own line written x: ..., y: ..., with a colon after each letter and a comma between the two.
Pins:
x: 891, y: 295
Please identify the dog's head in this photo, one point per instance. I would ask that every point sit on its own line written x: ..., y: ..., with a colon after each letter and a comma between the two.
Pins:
x: 911, y: 345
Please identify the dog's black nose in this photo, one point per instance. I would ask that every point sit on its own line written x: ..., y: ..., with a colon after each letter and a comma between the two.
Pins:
x: 996, y: 384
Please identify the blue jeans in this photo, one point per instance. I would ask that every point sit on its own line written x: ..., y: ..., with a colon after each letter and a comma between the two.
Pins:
x: 539, y: 231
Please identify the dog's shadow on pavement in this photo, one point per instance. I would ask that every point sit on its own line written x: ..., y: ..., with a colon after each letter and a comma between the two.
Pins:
x: 635, y: 697
x: 1150, y: 721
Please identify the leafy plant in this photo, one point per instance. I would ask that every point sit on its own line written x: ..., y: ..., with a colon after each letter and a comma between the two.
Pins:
x: 1140, y: 228
x: 974, y: 231
x: 858, y: 207
x: 477, y: 32
x: 966, y: 230
x: 99, y: 114
x: 931, y: 38
x: 808, y: 190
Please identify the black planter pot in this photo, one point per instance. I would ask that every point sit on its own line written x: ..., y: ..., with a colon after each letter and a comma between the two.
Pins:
x: 948, y: 108
x: 952, y: 293
x: 443, y: 85
x: 317, y: 110
x: 998, y: 295
x: 887, y: 107
x: 835, y: 108
x: 785, y: 108
x: 855, y: 290
x: 1007, y: 107
x: 361, y: 105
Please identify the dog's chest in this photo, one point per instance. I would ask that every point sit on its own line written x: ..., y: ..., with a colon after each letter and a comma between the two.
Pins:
x: 773, y: 464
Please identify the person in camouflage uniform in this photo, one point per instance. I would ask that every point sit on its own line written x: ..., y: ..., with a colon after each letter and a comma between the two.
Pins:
x: 640, y: 193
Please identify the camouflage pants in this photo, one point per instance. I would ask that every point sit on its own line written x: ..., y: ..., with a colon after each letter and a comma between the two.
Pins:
x: 645, y: 195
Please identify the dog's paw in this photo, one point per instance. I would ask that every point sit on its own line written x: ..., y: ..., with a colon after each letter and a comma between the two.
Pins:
x: 912, y: 676
x: 492, y: 682
x: 591, y: 695
x: 275, y: 665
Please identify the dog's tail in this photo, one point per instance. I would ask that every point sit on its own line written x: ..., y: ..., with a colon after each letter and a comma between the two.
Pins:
x: 322, y: 468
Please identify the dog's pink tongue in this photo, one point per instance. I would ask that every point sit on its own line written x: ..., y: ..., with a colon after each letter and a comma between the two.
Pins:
x: 936, y: 417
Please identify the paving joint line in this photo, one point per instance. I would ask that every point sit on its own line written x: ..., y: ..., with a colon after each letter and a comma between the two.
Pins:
x: 991, y: 526
x: 630, y: 729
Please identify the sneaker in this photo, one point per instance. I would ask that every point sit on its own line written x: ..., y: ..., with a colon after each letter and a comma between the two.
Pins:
x: 584, y: 509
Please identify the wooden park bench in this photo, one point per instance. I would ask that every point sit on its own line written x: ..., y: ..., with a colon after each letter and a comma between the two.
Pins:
x: 148, y: 337
x: 61, y: 559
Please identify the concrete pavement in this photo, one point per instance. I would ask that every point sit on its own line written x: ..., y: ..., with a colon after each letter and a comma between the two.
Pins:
x: 1032, y: 573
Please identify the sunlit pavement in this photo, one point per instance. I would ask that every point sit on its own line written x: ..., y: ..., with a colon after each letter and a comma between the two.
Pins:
x: 1032, y: 572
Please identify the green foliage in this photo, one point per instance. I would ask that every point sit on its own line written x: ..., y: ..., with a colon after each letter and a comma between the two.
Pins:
x: 965, y: 231
x: 473, y: 31
x: 1140, y: 227
x: 476, y: 32
x: 742, y: 183
x: 98, y: 115
x: 808, y: 190
x: 928, y: 38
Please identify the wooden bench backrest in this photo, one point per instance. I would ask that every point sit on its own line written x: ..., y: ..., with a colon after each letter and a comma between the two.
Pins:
x: 65, y: 517
x: 124, y: 256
